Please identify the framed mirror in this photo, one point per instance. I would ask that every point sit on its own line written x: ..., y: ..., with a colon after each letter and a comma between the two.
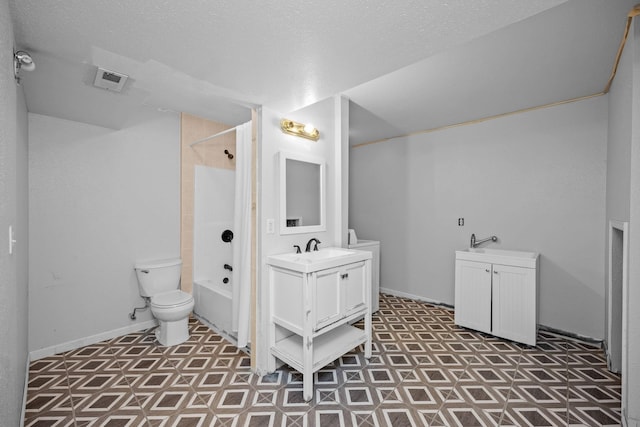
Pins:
x: 302, y: 194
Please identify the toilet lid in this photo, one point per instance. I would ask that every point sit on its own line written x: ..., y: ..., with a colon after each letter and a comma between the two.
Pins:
x: 171, y: 298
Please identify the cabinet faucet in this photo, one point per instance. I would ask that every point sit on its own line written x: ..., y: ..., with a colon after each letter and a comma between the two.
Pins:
x: 315, y: 244
x: 475, y: 243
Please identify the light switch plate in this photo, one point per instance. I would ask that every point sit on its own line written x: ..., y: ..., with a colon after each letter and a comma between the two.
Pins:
x: 12, y: 241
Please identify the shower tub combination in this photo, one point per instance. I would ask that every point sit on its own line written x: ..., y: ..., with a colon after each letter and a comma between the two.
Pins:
x: 213, y: 247
x: 213, y: 304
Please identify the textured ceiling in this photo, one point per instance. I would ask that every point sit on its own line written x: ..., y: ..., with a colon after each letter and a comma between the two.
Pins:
x: 560, y: 54
x: 215, y: 59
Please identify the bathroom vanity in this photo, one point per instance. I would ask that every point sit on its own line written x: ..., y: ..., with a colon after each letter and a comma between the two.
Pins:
x: 496, y: 292
x: 314, y: 299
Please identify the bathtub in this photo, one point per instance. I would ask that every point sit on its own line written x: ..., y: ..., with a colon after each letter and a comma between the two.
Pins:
x: 213, y: 305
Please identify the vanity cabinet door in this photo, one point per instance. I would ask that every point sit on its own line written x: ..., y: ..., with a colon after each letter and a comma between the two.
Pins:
x: 473, y: 295
x: 327, y: 298
x: 514, y: 303
x: 354, y: 287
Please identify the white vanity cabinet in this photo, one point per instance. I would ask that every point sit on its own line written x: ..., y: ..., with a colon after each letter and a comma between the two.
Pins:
x: 338, y: 293
x: 496, y: 293
x: 312, y: 307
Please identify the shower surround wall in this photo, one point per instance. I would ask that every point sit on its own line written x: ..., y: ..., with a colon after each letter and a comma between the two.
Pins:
x: 209, y: 153
x: 214, y: 197
x: 214, y: 209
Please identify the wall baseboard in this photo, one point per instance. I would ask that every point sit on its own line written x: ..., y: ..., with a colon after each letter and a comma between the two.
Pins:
x: 564, y: 334
x: 571, y: 336
x: 396, y: 293
x: 93, y: 339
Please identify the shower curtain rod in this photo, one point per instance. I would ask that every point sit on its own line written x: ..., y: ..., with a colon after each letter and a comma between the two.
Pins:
x: 215, y: 135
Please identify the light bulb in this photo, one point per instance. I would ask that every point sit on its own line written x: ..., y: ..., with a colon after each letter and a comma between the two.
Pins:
x: 308, y: 128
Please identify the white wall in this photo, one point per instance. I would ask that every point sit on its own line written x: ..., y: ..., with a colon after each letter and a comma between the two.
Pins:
x: 100, y: 200
x: 13, y: 212
x: 273, y: 140
x: 619, y: 140
x: 536, y: 180
x: 327, y: 117
x: 632, y: 380
x: 22, y: 229
x: 618, y: 181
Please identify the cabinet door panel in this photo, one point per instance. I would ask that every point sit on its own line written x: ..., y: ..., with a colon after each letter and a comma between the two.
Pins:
x: 326, y: 298
x: 287, y: 311
x: 514, y: 303
x: 354, y: 287
x: 473, y: 295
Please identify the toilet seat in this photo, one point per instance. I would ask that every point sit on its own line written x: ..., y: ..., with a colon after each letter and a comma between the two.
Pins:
x: 171, y: 299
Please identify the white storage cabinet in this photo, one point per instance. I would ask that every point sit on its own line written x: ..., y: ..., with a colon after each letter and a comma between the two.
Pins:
x: 496, y: 293
x: 372, y: 246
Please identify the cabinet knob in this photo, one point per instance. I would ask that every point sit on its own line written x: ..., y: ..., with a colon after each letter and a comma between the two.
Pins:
x: 488, y: 271
x: 345, y: 275
x: 495, y: 272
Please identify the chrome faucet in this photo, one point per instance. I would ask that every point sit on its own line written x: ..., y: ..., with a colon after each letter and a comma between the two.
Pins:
x: 315, y: 244
x: 475, y: 243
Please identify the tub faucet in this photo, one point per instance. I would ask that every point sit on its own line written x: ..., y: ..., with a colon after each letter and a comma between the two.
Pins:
x: 475, y: 243
x: 315, y: 244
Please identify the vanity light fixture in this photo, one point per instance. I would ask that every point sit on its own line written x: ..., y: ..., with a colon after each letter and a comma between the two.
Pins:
x: 299, y: 129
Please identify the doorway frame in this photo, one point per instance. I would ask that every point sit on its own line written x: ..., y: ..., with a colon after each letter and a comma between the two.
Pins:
x: 622, y: 226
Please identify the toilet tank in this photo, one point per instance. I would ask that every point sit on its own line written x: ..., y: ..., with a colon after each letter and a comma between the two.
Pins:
x: 159, y: 276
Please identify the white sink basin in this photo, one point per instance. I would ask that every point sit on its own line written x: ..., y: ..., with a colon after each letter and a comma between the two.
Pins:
x: 325, y: 258
x: 499, y: 256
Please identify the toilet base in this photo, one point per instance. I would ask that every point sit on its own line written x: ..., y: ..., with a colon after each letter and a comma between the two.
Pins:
x: 173, y: 333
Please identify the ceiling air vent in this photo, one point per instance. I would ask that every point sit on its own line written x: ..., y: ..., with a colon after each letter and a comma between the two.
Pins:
x: 110, y: 80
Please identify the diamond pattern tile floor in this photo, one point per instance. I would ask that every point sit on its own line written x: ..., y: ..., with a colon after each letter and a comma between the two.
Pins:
x: 425, y: 371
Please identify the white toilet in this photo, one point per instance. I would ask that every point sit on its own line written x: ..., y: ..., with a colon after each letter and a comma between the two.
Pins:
x: 160, y: 281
